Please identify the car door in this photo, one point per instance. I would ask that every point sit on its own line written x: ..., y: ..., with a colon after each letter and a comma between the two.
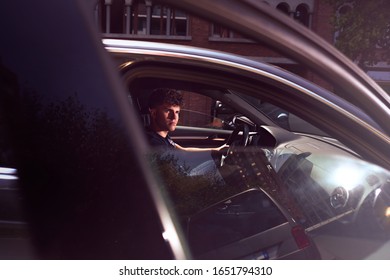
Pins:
x: 317, y: 156
x: 248, y: 225
x: 79, y: 161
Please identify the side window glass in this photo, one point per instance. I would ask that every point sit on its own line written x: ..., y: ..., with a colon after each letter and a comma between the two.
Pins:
x: 202, y: 111
x: 282, y: 117
x: 279, y: 185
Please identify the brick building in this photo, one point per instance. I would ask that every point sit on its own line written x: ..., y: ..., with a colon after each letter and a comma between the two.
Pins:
x: 144, y: 20
x: 149, y: 22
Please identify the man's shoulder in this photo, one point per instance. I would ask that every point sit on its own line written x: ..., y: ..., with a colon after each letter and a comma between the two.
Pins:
x: 152, y: 135
x: 157, y: 140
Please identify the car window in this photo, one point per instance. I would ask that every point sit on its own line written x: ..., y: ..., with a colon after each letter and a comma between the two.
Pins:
x: 201, y: 111
x: 199, y: 114
x: 222, y: 206
x: 282, y: 117
x: 209, y: 190
x: 311, y: 179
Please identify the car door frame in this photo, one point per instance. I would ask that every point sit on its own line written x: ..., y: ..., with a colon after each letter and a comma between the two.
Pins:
x: 344, y: 121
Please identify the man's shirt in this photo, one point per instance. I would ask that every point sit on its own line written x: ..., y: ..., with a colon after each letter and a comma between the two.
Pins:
x: 156, y: 140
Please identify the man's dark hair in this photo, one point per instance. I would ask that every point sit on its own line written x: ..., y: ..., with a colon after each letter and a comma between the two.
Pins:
x: 168, y: 96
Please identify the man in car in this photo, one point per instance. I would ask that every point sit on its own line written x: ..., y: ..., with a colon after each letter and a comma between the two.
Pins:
x: 164, y: 109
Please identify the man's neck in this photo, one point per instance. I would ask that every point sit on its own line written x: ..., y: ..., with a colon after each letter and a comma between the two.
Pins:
x: 162, y: 133
x: 155, y: 128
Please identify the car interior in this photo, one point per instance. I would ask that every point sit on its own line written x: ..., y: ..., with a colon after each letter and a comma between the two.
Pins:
x: 237, y: 171
x: 293, y: 169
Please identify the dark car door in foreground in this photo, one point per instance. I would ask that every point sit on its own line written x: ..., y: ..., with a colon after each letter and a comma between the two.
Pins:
x: 82, y: 178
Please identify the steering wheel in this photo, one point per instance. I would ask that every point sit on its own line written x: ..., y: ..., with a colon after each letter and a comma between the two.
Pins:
x: 232, y: 140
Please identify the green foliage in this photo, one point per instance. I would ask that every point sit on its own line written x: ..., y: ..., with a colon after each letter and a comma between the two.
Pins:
x: 363, y: 29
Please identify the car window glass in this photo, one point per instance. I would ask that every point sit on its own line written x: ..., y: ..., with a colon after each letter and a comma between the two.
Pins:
x: 200, y: 111
x: 326, y: 180
x: 282, y: 117
x: 193, y: 190
x: 195, y: 181
x: 312, y: 179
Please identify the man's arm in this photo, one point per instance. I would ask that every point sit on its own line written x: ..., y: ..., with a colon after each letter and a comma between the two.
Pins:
x: 195, y: 149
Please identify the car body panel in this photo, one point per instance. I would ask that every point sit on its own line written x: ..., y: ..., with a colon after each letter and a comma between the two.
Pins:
x: 213, y: 233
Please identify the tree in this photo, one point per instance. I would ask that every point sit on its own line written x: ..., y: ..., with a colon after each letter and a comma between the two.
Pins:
x: 362, y: 30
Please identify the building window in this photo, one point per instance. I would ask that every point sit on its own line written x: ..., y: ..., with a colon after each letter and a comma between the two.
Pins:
x: 302, y: 15
x: 219, y: 32
x: 167, y: 21
x: 341, y: 11
x: 140, y: 17
x: 111, y: 16
x: 284, y: 8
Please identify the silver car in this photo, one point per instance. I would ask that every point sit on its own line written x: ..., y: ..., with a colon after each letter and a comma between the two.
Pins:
x: 289, y: 142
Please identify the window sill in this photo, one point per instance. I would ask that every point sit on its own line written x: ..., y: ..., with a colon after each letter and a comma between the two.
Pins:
x: 146, y: 37
x: 231, y: 40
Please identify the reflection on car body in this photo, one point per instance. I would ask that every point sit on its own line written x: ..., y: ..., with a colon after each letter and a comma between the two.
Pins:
x: 250, y: 226
x: 14, y: 230
x: 10, y: 196
x: 232, y: 216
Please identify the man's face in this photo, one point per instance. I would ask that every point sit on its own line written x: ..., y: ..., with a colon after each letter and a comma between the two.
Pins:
x: 165, y: 117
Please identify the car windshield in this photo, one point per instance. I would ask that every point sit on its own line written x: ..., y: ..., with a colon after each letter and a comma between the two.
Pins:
x: 283, y: 118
